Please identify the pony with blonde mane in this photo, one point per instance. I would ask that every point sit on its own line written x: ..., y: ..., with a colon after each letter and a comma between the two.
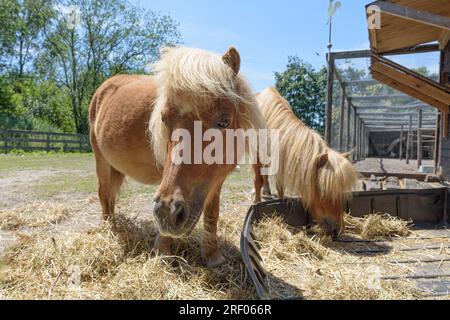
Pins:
x: 308, y: 168
x: 132, y: 118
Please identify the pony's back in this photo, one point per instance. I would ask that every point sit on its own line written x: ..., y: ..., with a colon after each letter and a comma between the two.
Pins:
x: 308, y: 167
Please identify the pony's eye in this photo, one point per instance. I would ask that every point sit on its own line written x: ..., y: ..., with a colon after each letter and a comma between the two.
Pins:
x: 223, y: 123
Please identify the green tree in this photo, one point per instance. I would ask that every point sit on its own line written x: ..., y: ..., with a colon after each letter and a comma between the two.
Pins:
x: 88, y: 41
x: 304, y: 88
x: 21, y: 24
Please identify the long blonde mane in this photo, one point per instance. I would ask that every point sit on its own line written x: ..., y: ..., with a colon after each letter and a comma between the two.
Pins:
x: 191, y: 80
x: 300, y: 149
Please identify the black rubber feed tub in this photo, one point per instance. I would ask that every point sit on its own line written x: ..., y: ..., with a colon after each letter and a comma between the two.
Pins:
x: 420, y: 206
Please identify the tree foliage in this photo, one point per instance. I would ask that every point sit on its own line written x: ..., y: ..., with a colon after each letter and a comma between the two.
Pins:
x: 304, y: 88
x: 55, y: 53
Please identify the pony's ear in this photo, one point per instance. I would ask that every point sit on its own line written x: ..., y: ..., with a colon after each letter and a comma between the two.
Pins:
x: 322, y: 160
x: 232, y: 59
x: 347, y: 154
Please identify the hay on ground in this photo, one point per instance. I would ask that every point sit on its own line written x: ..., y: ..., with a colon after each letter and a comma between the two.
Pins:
x: 377, y: 226
x: 315, y: 268
x: 118, y: 263
x: 38, y: 214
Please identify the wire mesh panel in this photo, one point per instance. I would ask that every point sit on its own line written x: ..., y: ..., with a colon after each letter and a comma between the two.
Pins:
x: 368, y: 116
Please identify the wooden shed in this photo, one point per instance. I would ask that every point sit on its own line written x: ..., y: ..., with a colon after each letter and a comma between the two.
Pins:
x: 405, y: 25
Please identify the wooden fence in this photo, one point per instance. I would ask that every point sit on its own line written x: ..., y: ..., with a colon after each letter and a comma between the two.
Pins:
x: 43, y: 141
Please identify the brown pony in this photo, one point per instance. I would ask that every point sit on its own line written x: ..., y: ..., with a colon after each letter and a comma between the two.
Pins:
x: 132, y: 118
x: 307, y: 166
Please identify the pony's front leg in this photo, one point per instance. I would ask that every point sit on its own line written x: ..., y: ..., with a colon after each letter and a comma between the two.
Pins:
x: 258, y: 182
x: 210, y: 246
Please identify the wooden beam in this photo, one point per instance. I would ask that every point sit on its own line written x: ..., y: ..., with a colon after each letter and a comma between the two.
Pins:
x: 395, y: 114
x: 430, y: 122
x: 381, y: 97
x: 413, y: 14
x: 393, y: 107
x: 404, y: 88
x: 444, y: 38
x: 355, y: 54
x: 395, y: 129
x: 329, y: 105
x: 356, y: 83
x: 412, y: 79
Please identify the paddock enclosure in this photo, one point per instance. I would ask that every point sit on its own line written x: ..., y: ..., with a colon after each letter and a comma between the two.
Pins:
x: 54, y: 245
x: 394, y: 119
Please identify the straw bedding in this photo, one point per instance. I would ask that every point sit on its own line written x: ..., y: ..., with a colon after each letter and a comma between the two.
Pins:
x: 117, y: 262
x: 37, y: 214
x: 315, y: 268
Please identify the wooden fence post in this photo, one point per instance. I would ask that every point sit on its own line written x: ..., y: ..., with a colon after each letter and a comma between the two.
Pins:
x: 48, y: 142
x: 5, y: 141
x: 81, y: 143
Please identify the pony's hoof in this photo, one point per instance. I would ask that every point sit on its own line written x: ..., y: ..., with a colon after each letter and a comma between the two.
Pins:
x: 215, y: 260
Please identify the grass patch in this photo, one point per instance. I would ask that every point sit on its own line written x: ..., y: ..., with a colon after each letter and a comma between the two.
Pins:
x: 78, y: 161
x: 66, y: 183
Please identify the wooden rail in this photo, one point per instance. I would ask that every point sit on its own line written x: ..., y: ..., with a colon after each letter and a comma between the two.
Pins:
x: 43, y: 141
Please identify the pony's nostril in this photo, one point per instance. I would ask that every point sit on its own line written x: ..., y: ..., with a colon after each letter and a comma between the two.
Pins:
x: 179, y: 215
x: 335, y: 234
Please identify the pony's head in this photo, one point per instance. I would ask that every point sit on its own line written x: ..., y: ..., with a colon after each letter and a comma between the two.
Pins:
x: 336, y: 177
x: 195, y: 86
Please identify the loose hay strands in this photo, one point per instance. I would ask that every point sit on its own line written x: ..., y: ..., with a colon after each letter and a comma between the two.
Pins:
x: 378, y: 226
x: 300, y: 265
x: 118, y: 263
x: 39, y: 214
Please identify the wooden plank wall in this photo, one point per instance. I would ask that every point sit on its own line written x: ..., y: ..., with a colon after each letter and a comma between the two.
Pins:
x: 42, y: 141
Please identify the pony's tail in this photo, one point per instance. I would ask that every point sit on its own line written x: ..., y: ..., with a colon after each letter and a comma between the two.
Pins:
x: 336, y: 176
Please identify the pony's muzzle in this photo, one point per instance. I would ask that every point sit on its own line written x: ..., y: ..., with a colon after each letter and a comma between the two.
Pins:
x: 171, y: 217
x: 332, y: 228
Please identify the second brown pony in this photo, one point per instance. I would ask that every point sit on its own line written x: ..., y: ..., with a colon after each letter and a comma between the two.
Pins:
x: 308, y: 167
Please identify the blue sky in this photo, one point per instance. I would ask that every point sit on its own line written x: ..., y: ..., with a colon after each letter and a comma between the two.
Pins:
x: 266, y: 31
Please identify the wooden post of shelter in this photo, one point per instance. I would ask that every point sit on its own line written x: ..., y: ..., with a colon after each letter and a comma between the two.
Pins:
x: 329, y: 105
x: 357, y: 137
x: 341, y: 126
x: 401, y: 144
x: 347, y: 145
x: 363, y: 144
x: 355, y: 121
x: 419, y: 139
x: 437, y: 142
x: 408, y: 141
x: 443, y: 142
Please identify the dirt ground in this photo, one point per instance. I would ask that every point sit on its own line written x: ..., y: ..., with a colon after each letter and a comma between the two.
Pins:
x: 391, y: 165
x: 70, y: 181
